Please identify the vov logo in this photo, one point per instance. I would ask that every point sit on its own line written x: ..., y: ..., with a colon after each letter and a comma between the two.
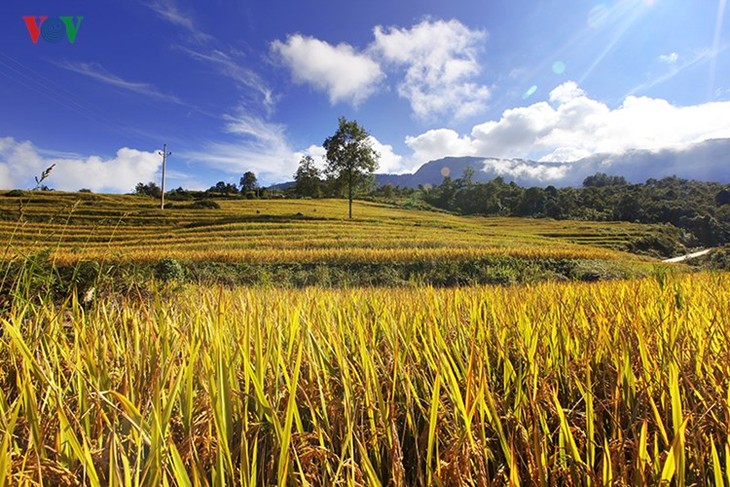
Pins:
x: 52, y: 29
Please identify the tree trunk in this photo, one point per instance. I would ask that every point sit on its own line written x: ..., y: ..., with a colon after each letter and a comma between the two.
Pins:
x: 349, y: 190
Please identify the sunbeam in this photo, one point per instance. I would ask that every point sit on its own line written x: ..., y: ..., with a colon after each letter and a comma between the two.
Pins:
x: 716, y: 47
x: 628, y: 13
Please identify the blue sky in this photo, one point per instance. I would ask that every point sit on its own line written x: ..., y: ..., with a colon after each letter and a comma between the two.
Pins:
x: 233, y: 86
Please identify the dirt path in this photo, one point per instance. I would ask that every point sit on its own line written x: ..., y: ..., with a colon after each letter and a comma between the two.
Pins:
x: 682, y: 258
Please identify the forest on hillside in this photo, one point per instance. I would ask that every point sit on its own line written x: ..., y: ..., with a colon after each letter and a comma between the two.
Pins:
x: 700, y: 209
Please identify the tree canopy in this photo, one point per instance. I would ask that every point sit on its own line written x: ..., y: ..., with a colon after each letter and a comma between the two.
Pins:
x: 308, y: 179
x: 351, y: 160
x: 248, y: 182
x: 149, y: 189
x: 700, y: 209
x: 223, y: 188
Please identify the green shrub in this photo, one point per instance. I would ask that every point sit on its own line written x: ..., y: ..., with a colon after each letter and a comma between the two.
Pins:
x: 720, y: 259
x: 205, y: 205
x: 169, y: 269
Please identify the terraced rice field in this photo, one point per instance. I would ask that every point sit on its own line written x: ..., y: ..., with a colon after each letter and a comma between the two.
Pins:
x: 621, y: 382
x: 77, y: 227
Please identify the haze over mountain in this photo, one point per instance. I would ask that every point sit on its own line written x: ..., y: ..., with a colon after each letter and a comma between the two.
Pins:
x: 704, y: 161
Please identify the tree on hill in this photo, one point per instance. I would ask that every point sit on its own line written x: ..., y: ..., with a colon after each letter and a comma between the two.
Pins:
x: 248, y: 182
x: 350, y: 158
x: 149, y: 189
x: 223, y: 188
x: 308, y: 179
x: 600, y: 179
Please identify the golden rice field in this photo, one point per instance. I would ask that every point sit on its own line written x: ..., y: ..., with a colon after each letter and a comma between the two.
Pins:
x: 625, y: 382
x: 77, y: 226
x: 610, y: 383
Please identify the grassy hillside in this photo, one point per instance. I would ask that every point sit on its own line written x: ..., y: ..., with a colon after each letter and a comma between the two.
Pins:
x: 81, y: 226
x: 310, y: 241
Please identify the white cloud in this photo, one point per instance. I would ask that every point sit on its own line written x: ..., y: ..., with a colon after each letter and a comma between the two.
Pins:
x: 708, y: 161
x: 517, y: 132
x: 576, y: 126
x: 235, y: 70
x: 344, y: 74
x: 566, y: 92
x: 262, y: 147
x: 21, y: 162
x: 521, y: 170
x: 258, y: 146
x: 562, y: 154
x: 316, y: 152
x: 6, y: 178
x: 248, y: 126
x: 229, y: 64
x: 255, y: 145
x: 169, y: 11
x: 440, y: 58
x: 670, y: 58
x: 97, y: 72
x: 389, y: 161
x: 272, y: 163
x: 438, y: 143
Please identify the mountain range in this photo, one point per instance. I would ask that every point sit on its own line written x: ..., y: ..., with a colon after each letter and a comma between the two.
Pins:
x: 704, y: 161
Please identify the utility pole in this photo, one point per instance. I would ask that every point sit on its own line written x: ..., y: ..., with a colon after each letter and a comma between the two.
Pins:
x: 164, y: 155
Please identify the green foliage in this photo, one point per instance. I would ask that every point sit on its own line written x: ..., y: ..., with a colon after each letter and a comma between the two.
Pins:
x: 695, y: 207
x: 85, y: 275
x: 149, y: 189
x: 721, y: 260
x: 169, y: 269
x: 600, y: 180
x: 248, y: 182
x: 181, y: 194
x: 205, y: 205
x: 351, y: 160
x: 308, y: 179
x: 221, y: 187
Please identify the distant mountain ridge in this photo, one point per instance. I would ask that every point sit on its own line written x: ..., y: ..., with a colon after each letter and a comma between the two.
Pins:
x: 705, y: 161
x: 433, y: 172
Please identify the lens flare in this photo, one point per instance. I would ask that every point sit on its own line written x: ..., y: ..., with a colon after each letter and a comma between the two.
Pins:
x: 597, y: 16
x: 531, y: 91
x: 558, y: 67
